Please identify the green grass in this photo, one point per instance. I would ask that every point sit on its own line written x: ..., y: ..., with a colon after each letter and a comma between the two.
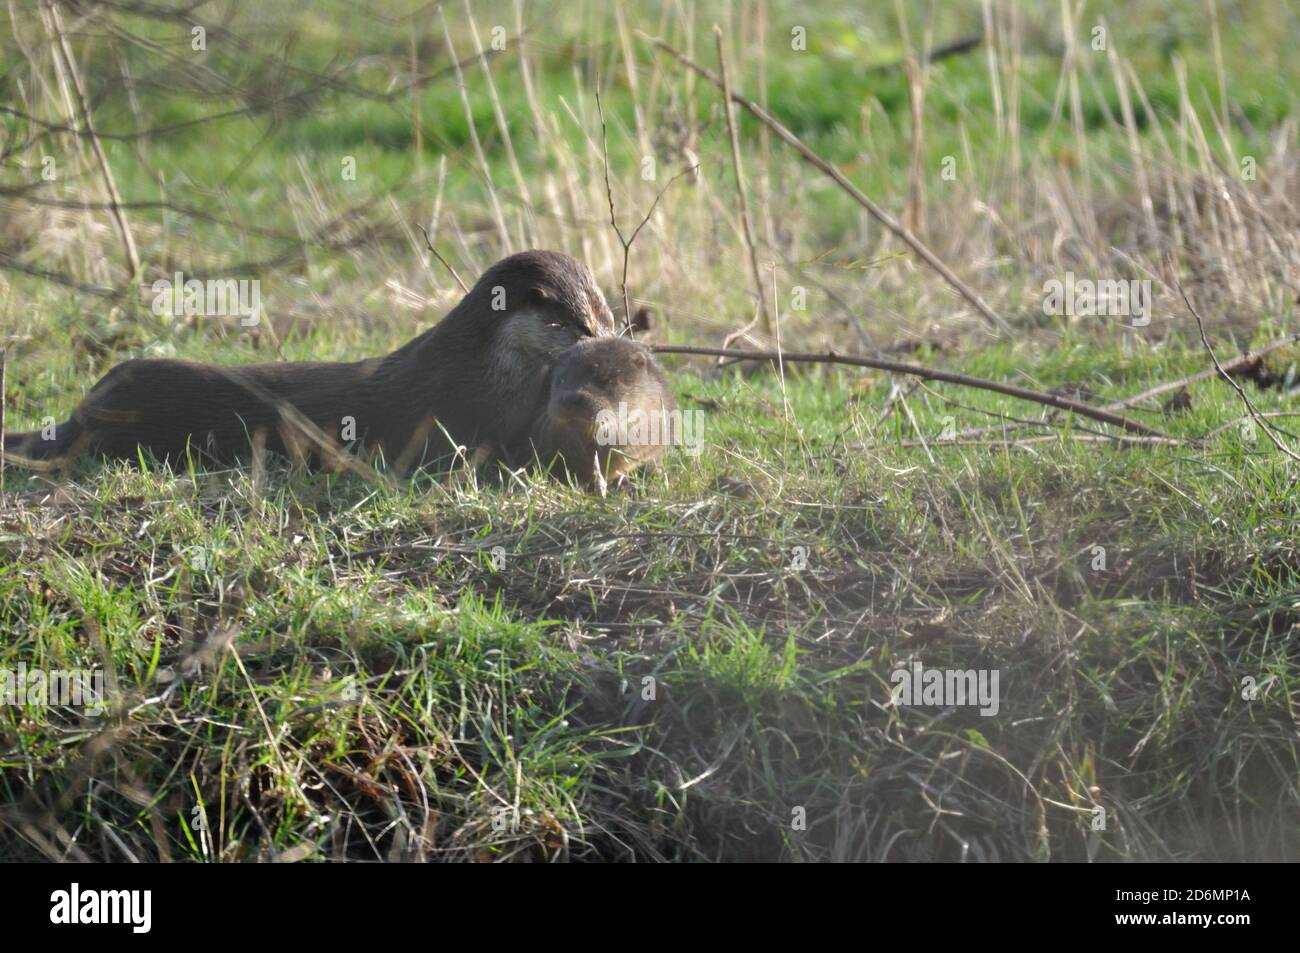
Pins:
x: 646, y: 676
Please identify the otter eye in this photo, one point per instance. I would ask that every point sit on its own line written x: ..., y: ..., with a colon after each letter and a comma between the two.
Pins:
x: 566, y: 326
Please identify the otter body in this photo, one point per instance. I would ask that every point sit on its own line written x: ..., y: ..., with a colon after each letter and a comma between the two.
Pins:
x: 479, y: 376
x: 608, y: 412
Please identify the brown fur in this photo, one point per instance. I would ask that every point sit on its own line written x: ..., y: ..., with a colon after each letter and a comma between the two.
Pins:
x: 590, y: 377
x: 479, y: 374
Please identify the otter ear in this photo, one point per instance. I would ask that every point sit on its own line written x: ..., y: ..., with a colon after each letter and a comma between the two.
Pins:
x: 643, y: 320
x: 638, y: 360
x: 539, y: 296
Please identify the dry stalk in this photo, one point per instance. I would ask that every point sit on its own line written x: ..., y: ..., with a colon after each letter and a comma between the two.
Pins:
x: 747, y: 230
x: 874, y: 210
x: 498, y: 215
x: 68, y: 64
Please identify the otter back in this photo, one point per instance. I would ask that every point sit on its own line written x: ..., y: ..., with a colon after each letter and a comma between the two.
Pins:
x: 477, y: 377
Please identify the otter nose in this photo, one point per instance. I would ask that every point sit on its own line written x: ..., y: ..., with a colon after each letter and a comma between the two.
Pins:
x: 574, y: 405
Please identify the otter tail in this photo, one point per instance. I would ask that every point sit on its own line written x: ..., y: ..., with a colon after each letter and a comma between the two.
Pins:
x: 38, y: 449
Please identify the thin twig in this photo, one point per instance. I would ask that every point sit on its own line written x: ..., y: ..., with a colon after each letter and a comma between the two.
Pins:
x: 955, y: 48
x: 1245, y: 398
x: 609, y: 194
x: 1272, y: 414
x: 916, y: 370
x: 1051, y: 438
x: 445, y: 263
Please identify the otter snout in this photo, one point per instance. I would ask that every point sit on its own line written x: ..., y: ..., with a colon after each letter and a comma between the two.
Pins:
x: 576, y: 405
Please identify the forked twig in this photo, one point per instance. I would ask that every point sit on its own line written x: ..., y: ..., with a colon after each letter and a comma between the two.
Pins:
x: 613, y: 218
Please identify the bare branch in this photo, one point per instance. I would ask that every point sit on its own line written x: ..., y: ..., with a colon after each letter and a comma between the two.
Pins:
x: 613, y: 217
x: 916, y: 370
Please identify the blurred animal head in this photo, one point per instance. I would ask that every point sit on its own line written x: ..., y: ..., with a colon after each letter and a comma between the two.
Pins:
x: 608, y: 410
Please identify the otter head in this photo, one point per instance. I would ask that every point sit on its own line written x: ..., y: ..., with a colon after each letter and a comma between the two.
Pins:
x: 493, y: 353
x: 608, y: 410
x: 539, y: 303
x: 543, y: 302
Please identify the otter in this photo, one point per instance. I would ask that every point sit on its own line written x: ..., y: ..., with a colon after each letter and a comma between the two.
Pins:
x: 609, y: 412
x: 477, y: 377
